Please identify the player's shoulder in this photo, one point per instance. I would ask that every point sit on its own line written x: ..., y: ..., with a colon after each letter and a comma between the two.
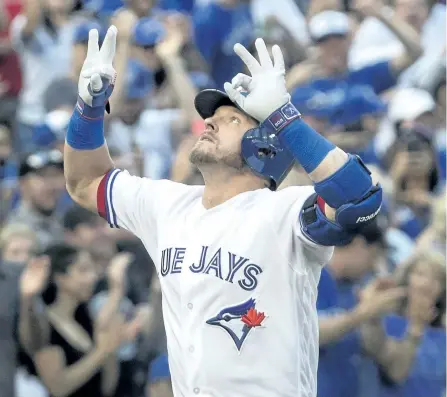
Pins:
x: 287, y: 196
x: 157, y: 186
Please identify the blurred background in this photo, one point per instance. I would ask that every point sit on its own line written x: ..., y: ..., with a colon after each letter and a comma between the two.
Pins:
x: 368, y: 74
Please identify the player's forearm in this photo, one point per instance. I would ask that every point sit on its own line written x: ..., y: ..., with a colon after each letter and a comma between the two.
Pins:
x: 83, y: 167
x: 86, y: 156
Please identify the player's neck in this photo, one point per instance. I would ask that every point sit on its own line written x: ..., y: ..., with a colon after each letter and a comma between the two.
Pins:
x: 219, y: 190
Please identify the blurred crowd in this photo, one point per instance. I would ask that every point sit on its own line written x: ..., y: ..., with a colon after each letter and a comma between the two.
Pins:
x: 80, y: 310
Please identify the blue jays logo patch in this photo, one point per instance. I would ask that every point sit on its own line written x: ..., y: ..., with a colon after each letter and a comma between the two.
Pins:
x: 238, y: 321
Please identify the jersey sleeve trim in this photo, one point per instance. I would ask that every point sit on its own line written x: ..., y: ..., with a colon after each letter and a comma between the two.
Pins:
x: 105, y: 198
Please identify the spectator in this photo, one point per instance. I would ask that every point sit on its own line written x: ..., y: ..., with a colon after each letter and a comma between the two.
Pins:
x: 141, y: 8
x: 23, y: 325
x: 328, y: 79
x: 8, y: 171
x: 10, y: 73
x: 59, y: 100
x: 375, y: 42
x: 410, y: 346
x: 18, y: 244
x: 218, y: 26
x: 41, y: 185
x: 407, y: 107
x: 159, y: 378
x: 340, y: 313
x: 415, y: 176
x: 157, y: 52
x: 42, y: 36
x: 71, y: 345
x: 434, y: 236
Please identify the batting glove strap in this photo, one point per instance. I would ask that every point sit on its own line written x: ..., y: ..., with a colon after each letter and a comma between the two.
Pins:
x: 282, y: 117
x: 99, y: 100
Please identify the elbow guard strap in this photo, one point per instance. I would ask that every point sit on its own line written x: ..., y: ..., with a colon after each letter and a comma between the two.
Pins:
x: 319, y: 229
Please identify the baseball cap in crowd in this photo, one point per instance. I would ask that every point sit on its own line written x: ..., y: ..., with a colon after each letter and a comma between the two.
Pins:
x: 328, y: 23
x: 84, y: 27
x: 159, y: 369
x: 38, y: 161
x: 409, y: 104
x: 139, y: 80
x: 339, y: 107
x: 148, y: 32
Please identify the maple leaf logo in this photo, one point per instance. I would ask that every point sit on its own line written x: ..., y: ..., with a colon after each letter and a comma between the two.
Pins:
x: 253, y: 318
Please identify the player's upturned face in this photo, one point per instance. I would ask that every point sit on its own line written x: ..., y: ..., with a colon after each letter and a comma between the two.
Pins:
x: 220, y: 143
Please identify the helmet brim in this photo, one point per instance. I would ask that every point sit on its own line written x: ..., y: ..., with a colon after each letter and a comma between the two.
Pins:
x: 208, y: 101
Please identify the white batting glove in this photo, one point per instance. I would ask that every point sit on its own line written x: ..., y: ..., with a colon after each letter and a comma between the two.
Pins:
x: 265, y: 91
x: 98, y: 76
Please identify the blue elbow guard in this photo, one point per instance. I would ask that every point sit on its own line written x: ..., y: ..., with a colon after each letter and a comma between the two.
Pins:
x: 356, y: 200
x: 350, y: 191
x: 319, y: 229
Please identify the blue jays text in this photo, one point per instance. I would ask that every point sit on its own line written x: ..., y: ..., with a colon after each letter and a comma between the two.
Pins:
x: 222, y: 264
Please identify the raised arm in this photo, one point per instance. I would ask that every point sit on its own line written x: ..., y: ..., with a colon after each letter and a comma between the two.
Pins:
x: 407, y: 35
x: 62, y: 379
x: 32, y: 10
x: 346, y: 197
x: 86, y: 157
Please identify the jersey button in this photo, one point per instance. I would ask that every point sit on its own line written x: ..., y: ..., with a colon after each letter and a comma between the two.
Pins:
x: 191, y: 349
x: 196, y: 390
x: 190, y: 306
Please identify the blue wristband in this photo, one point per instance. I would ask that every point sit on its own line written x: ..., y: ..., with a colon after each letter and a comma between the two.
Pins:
x: 86, y: 128
x: 307, y: 146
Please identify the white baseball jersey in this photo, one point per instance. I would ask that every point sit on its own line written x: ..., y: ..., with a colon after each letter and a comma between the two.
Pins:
x: 239, y: 284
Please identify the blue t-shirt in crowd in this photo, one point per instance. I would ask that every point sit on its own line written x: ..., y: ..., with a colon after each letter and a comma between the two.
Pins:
x: 427, y: 376
x: 216, y: 30
x: 344, y: 99
x: 342, y: 370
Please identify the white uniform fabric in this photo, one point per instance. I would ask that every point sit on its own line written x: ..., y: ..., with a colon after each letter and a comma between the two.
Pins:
x: 239, y: 284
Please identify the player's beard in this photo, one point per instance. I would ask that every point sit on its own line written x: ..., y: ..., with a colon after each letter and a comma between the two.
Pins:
x: 200, y: 157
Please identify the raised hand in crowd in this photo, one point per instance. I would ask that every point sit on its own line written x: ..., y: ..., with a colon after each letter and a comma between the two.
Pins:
x: 421, y: 305
x: 379, y: 297
x: 110, y: 336
x: 34, y: 277
x: 33, y: 325
x: 394, y: 341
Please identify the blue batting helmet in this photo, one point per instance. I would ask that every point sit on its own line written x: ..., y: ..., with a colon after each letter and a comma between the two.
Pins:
x: 261, y: 148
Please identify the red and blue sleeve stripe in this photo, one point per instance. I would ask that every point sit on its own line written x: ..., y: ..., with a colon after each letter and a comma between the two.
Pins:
x: 104, y: 202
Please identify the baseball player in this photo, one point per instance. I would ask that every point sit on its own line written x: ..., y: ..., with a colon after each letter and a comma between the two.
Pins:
x: 238, y: 262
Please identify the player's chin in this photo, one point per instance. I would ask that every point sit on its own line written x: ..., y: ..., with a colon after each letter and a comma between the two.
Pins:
x: 202, y: 154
